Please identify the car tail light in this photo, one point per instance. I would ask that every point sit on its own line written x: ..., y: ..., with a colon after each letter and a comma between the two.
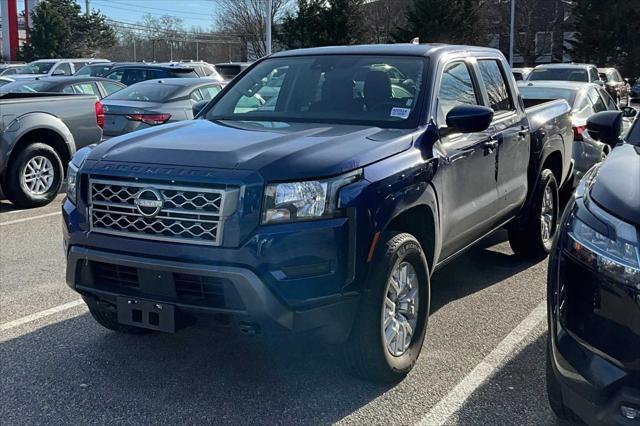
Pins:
x: 99, y: 114
x: 150, y: 119
x: 577, y: 132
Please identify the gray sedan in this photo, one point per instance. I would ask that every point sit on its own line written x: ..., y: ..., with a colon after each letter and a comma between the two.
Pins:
x: 585, y: 100
x: 153, y: 102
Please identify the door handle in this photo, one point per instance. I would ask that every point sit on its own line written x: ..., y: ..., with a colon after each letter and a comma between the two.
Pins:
x: 491, y: 144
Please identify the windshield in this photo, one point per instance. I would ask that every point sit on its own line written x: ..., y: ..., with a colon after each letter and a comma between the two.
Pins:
x: 348, y: 89
x: 634, y: 134
x: 37, y: 68
x: 30, y: 86
x: 547, y: 94
x: 562, y: 74
x: 94, y: 70
x: 147, y: 92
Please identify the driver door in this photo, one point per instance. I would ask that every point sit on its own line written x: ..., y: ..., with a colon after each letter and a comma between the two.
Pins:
x: 469, y: 161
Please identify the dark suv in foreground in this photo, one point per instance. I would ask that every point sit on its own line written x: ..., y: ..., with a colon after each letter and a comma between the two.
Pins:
x: 593, y: 364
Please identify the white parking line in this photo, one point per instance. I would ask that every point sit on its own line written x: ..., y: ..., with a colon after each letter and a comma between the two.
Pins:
x: 454, y: 400
x: 26, y: 219
x: 38, y: 315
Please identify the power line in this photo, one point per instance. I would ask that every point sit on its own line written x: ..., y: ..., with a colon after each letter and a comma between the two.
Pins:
x: 138, y: 6
x: 157, y: 14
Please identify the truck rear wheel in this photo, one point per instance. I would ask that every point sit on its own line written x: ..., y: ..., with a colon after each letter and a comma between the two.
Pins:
x: 34, y: 176
x: 389, y: 330
x: 534, y: 241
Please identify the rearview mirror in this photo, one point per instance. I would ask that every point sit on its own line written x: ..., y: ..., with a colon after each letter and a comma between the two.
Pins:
x: 605, y: 127
x: 469, y: 118
x: 629, y: 112
x: 198, y: 106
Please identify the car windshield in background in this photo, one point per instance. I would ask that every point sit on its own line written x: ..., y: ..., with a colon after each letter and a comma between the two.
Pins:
x: 37, y: 68
x: 634, y: 134
x: 31, y: 86
x: 349, y: 89
x: 537, y: 95
x: 561, y: 74
x: 146, y: 92
x: 94, y: 70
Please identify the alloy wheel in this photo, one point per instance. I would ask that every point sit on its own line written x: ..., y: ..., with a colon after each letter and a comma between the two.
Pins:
x: 37, y: 175
x: 400, y: 309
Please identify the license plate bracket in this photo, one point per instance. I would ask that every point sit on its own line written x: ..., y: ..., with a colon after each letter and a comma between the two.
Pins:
x: 146, y: 314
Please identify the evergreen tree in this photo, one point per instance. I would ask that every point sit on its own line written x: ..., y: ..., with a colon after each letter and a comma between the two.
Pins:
x: 439, y: 21
x: 59, y: 29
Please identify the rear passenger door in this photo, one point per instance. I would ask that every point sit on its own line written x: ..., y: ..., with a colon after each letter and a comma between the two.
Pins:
x: 468, y: 166
x: 509, y: 129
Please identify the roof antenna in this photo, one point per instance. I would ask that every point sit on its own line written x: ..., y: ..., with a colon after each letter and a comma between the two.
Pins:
x: 415, y: 40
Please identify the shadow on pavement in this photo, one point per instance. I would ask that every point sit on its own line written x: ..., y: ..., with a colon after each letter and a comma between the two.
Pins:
x: 74, y: 371
x: 516, y: 395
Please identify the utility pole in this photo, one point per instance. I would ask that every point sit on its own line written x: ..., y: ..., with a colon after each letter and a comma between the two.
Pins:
x: 87, y: 7
x: 512, y: 31
x: 268, y: 25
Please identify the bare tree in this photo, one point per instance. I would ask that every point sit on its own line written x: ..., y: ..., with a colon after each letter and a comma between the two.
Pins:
x: 246, y: 19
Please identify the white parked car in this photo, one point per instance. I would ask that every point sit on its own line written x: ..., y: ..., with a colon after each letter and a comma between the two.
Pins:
x: 53, y: 67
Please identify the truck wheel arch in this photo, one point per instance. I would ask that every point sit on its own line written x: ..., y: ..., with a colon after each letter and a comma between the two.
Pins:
x: 418, y: 217
x: 46, y: 136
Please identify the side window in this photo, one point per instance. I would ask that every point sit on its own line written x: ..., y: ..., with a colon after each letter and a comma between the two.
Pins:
x: 84, y: 89
x: 195, y: 95
x: 62, y: 69
x: 68, y: 89
x: 116, y: 75
x: 583, y: 108
x: 611, y: 104
x: 209, y: 92
x: 494, y: 81
x: 593, y: 74
x: 596, y: 100
x: 456, y: 88
x: 110, y: 88
x: 78, y: 65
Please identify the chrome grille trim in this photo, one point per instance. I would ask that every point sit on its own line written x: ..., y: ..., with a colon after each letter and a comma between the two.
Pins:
x: 189, y: 214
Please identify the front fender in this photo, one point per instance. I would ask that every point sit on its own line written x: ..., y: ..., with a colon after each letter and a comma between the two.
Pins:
x: 399, y: 184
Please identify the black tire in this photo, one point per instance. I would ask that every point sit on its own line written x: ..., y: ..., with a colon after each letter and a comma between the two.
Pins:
x: 17, y: 192
x: 365, y: 352
x: 554, y: 393
x: 109, y: 319
x: 528, y: 242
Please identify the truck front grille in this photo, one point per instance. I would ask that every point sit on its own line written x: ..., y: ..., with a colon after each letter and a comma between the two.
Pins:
x: 164, y: 212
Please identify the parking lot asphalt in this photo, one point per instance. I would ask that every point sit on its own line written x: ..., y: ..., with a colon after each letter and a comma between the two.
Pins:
x: 483, y: 360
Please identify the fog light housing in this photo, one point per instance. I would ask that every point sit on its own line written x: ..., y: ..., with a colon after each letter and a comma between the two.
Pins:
x: 631, y: 413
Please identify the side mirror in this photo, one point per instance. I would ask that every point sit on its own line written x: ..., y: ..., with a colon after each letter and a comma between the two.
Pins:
x: 605, y: 127
x: 629, y: 112
x: 198, y: 106
x: 469, y: 118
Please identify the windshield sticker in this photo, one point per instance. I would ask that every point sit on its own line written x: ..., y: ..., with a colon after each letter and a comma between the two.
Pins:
x: 400, y: 112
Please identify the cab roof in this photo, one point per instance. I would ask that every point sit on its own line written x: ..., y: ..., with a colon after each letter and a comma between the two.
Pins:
x: 401, y: 49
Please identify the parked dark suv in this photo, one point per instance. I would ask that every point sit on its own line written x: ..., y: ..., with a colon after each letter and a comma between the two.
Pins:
x: 131, y: 74
x: 615, y: 85
x: 593, y: 364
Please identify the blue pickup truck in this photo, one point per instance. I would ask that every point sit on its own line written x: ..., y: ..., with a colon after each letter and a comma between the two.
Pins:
x: 323, y: 207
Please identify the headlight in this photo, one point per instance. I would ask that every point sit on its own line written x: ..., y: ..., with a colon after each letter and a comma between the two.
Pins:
x: 72, y: 172
x: 72, y: 176
x: 617, y: 256
x: 313, y: 199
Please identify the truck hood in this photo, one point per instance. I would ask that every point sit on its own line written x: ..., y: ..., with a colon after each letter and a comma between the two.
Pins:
x: 616, y: 188
x: 275, y: 150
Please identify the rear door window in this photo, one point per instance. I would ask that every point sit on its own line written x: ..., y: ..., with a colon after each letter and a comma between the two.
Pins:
x: 84, y: 89
x: 62, y: 69
x: 596, y: 100
x: 209, y: 92
x: 593, y: 73
x: 456, y: 88
x: 493, y: 77
x: 110, y: 87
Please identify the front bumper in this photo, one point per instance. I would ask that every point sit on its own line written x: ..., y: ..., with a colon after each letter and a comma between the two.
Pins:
x: 199, y: 291
x: 594, y: 327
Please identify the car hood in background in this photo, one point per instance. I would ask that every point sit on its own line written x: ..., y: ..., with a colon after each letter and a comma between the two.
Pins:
x: 617, y: 186
x: 276, y: 150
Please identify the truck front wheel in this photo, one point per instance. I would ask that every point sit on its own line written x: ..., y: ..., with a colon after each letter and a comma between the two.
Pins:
x: 34, y: 176
x: 389, y: 330
x: 534, y: 240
